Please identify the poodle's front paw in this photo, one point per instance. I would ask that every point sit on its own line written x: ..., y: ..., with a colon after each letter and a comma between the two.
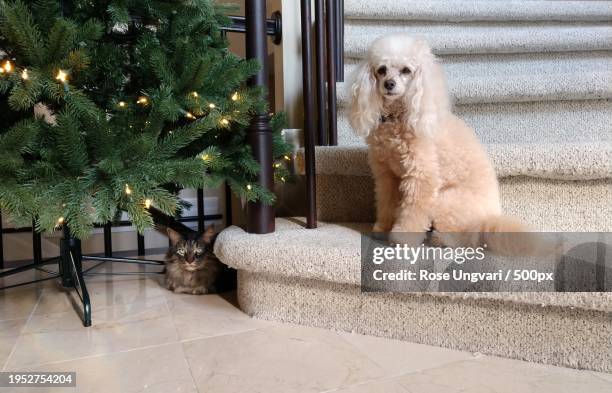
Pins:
x: 381, y: 227
x: 410, y: 239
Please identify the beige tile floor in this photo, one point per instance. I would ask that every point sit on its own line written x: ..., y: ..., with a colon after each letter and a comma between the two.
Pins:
x: 146, y: 339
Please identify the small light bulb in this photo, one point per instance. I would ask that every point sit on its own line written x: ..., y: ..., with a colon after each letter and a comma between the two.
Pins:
x: 8, y: 67
x: 225, y: 122
x: 206, y: 157
x: 128, y: 190
x: 235, y: 96
x: 61, y: 76
x: 194, y: 94
x: 212, y: 106
x: 60, y: 221
x: 282, y: 179
x: 142, y: 100
x: 189, y: 115
x: 249, y: 187
x: 277, y: 165
x: 147, y: 203
x: 287, y: 158
x: 24, y: 74
x: 122, y: 104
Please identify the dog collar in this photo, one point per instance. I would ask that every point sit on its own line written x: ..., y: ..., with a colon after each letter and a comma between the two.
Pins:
x: 386, y: 119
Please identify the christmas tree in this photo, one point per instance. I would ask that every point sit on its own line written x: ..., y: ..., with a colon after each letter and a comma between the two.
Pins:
x: 111, y: 106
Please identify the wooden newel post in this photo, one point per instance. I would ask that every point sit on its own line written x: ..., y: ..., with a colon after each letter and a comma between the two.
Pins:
x: 259, y: 134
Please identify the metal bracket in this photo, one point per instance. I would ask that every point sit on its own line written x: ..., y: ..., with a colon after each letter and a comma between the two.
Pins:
x: 274, y: 26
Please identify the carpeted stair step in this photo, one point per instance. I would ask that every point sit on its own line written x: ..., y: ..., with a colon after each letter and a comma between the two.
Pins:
x: 562, y: 187
x: 475, y: 10
x: 485, y: 37
x: 523, y: 122
x: 521, y: 77
x: 563, y: 161
x: 312, y: 277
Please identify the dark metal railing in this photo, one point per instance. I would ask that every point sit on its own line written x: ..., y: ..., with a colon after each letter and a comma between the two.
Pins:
x: 329, y: 61
x: 339, y: 42
x: 274, y: 26
x: 320, y: 108
x: 260, y: 217
x: 309, y: 133
x: 320, y: 70
x: 332, y: 66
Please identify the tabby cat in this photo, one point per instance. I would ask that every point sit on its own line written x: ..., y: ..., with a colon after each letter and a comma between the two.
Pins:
x: 191, y: 266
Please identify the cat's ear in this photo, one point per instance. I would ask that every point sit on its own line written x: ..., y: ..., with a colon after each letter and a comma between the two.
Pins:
x: 208, y: 234
x: 174, y: 236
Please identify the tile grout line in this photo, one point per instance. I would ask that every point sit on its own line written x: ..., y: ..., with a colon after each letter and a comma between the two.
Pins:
x: 393, y: 376
x: 22, y: 329
x: 187, y: 340
x: 12, y: 319
x: 99, y: 355
x: 193, y: 381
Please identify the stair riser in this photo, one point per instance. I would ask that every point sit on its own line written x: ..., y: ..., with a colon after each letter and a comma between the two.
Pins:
x: 545, y: 204
x: 485, y: 37
x: 552, y: 335
x: 520, y: 77
x: 571, y: 11
x: 527, y: 122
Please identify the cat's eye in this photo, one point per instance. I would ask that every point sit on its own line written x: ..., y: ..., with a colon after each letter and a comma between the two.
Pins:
x: 181, y: 251
x: 382, y: 70
x: 406, y: 70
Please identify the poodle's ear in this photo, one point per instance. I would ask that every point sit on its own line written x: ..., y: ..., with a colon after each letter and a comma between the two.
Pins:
x: 366, y: 103
x: 427, y: 98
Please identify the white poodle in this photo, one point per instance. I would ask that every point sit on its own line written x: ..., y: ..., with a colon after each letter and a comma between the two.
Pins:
x: 430, y: 170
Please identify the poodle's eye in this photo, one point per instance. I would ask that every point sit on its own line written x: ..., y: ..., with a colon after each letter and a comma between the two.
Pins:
x: 406, y: 70
x: 381, y: 70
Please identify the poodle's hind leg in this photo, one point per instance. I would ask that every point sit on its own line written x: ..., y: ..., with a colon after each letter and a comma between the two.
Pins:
x: 411, y: 225
x: 387, y: 197
x: 413, y: 214
x: 456, y: 217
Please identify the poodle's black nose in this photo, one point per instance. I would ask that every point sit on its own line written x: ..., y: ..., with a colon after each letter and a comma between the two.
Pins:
x: 389, y: 84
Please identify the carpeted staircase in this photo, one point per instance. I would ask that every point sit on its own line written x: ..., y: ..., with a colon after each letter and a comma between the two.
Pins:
x: 534, y: 79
